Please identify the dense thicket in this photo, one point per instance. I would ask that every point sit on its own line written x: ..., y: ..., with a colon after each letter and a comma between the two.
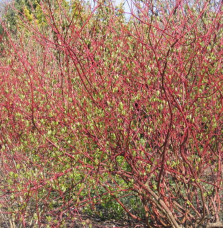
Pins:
x: 112, y: 114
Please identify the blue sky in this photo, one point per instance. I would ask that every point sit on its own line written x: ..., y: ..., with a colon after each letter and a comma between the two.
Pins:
x: 117, y: 2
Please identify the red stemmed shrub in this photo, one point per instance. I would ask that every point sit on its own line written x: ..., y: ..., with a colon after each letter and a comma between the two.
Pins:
x: 100, y: 109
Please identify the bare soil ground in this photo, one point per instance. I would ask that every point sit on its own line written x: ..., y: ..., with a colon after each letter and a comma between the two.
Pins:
x: 82, y: 221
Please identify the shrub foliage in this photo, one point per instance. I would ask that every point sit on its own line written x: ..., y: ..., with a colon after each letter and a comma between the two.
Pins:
x: 102, y: 111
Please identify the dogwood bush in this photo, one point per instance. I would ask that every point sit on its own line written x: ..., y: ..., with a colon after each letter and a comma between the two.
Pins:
x: 103, y: 111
